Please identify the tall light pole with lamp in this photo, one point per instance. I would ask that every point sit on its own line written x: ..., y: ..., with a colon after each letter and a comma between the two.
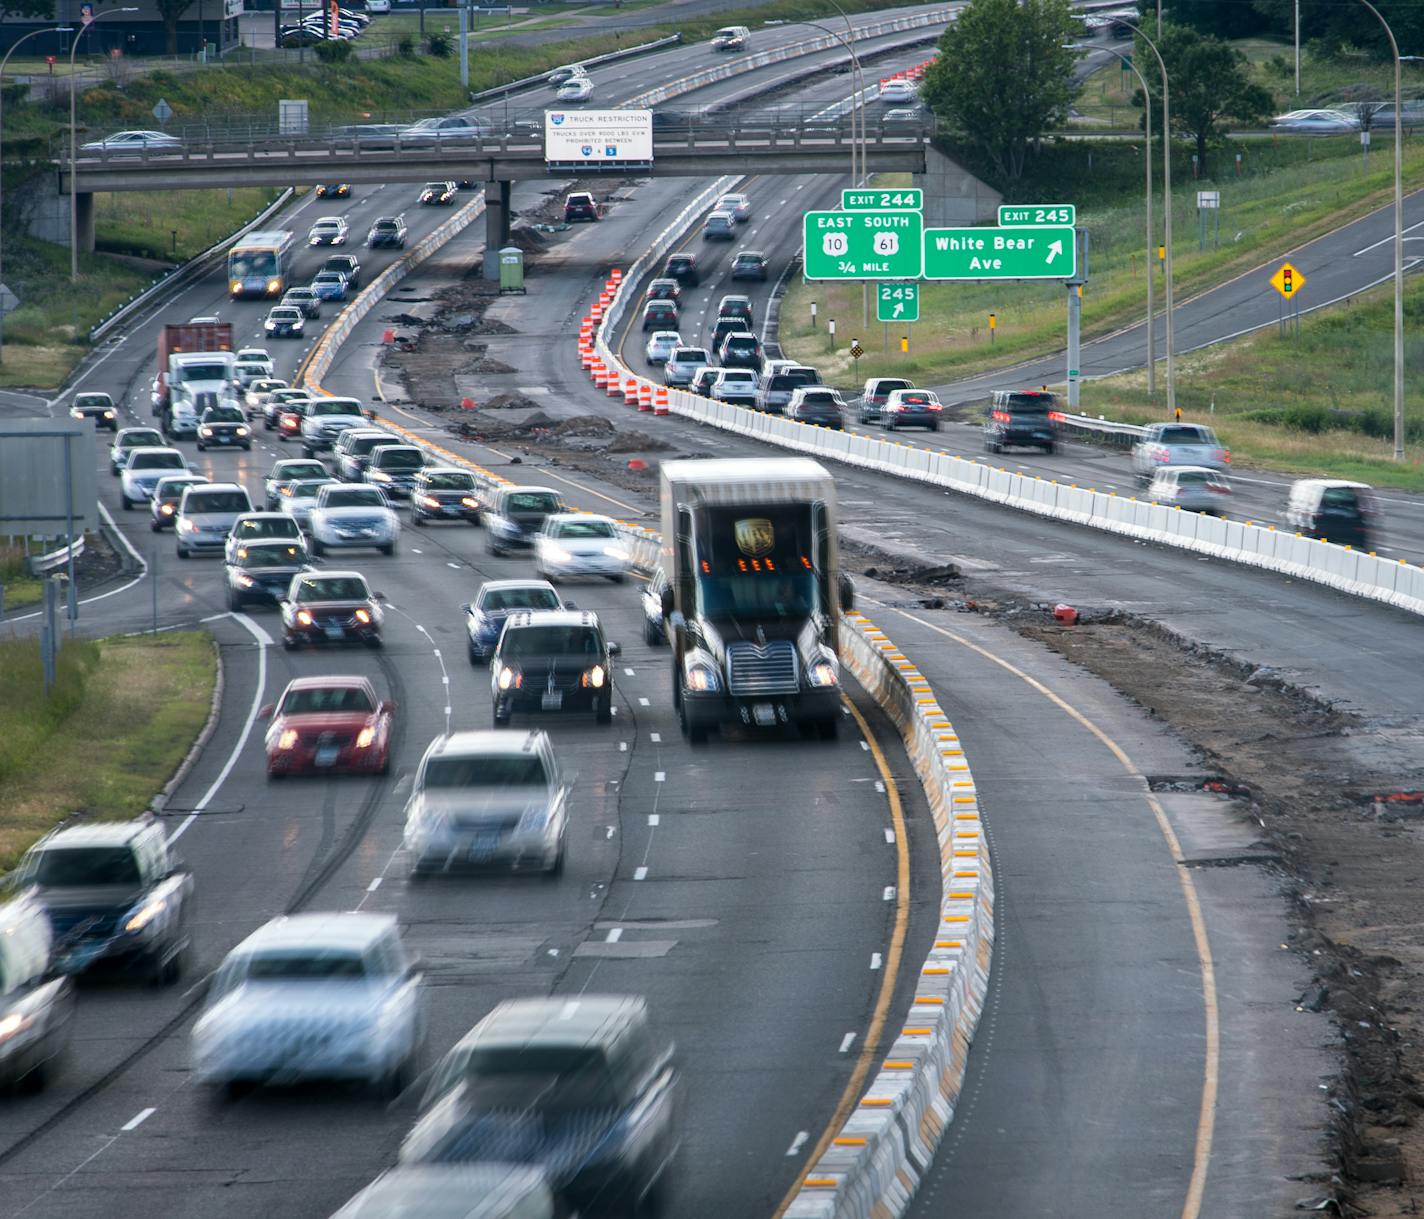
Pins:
x: 855, y: 75
x: 1147, y: 163
x: 1398, y: 236
x: 1166, y: 217
x: 14, y: 46
x: 73, y: 143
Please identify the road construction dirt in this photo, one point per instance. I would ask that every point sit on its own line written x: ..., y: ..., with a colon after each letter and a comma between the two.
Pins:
x: 1348, y: 844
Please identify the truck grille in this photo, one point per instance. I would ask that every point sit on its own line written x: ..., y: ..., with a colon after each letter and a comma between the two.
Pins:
x: 762, y: 669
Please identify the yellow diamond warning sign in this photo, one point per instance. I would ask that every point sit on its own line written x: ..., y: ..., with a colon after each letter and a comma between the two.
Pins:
x: 1287, y: 280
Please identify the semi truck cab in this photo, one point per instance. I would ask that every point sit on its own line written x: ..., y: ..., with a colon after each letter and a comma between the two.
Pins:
x: 754, y: 594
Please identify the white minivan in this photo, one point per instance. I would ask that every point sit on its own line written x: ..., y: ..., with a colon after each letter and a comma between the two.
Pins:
x: 731, y: 38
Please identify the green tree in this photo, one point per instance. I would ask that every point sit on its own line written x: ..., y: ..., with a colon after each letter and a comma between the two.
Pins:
x: 171, y: 11
x: 1004, y: 76
x: 1210, y: 83
x: 27, y: 8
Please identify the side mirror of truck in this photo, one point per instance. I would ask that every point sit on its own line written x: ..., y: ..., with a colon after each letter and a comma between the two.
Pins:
x: 847, y: 593
x: 667, y: 602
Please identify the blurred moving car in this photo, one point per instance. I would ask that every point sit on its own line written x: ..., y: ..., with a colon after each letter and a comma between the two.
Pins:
x: 719, y: 226
x: 575, y: 89
x: 684, y: 269
x: 126, y: 440
x: 444, y: 493
x: 581, y: 205
x: 817, y: 404
x: 285, y: 321
x: 516, y: 514
x: 329, y: 286
x: 353, y: 449
x: 552, y: 660
x: 331, y: 996
x: 261, y: 571
x: 737, y: 385
x: 1021, y: 417
x: 259, y: 393
x: 661, y: 345
x: 731, y: 38
x: 580, y: 544
x: 740, y: 349
x: 560, y: 76
x: 326, y: 724
x: 1192, y: 488
x: 651, y: 600
x: 738, y: 306
x: 134, y: 143
x: 584, y: 1088
x: 749, y: 264
x: 664, y: 288
x: 346, y: 516
x: 286, y: 472
x: 897, y: 90
x: 911, y: 408
x: 660, y: 315
x: 224, y: 427
x: 167, y: 492
x: 1317, y: 122
x: 143, y: 470
x: 331, y: 607
x: 683, y: 363
x: 36, y: 1006
x: 387, y: 232
x: 206, y: 513
x: 738, y: 204
x: 304, y: 299
x: 299, y: 497
x: 496, y: 601
x: 1333, y: 510
x: 445, y: 129
x: 329, y: 230
x: 267, y: 526
x: 456, y: 1191
x: 1176, y: 444
x: 394, y: 468
x: 348, y: 266
x: 485, y: 798
x: 876, y: 393
x: 437, y: 194
x: 98, y: 407
x: 704, y: 380
x: 114, y: 894
x: 777, y: 384
x: 333, y: 190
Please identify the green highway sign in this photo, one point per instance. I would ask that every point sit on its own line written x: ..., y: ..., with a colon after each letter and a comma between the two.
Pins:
x: 862, y: 245
x: 1037, y: 214
x: 897, y: 303
x: 1003, y: 253
x: 867, y: 199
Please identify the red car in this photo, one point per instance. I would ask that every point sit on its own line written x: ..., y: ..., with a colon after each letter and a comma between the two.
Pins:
x: 327, y: 724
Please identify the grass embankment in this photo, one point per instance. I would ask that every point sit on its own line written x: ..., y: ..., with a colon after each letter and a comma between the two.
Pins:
x: 21, y: 588
x: 1288, y: 193
x: 1319, y: 404
x: 123, y: 714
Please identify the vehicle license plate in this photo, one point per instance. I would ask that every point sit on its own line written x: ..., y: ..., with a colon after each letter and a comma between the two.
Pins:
x: 552, y: 700
x: 326, y: 755
x: 764, y: 714
x: 335, y: 632
x: 451, y: 509
x: 485, y: 845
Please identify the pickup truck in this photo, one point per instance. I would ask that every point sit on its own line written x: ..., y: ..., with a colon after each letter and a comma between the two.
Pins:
x: 1177, y: 444
x: 326, y: 419
x: 113, y: 894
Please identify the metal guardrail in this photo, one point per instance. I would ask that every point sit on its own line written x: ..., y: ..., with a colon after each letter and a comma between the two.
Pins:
x: 542, y: 78
x: 1100, y: 431
x: 179, y: 276
x: 39, y: 564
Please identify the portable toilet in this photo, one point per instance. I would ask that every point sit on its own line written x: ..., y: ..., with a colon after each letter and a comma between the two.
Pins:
x: 511, y: 269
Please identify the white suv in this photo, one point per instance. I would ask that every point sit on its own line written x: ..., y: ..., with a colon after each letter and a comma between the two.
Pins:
x: 347, y: 515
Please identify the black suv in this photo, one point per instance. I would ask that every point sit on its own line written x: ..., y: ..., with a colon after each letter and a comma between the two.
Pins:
x: 552, y: 660
x: 1022, y: 417
x: 683, y: 268
x: 387, y: 231
x: 114, y: 894
x: 584, y: 1088
x: 740, y: 349
x: 581, y: 206
x: 347, y: 265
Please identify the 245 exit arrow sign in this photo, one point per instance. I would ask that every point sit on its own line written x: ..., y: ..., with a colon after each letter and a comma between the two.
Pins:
x: 1023, y: 252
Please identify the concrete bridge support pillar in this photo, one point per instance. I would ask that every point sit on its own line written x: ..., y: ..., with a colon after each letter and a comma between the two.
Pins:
x: 496, y: 224
x: 84, y: 219
x: 954, y: 198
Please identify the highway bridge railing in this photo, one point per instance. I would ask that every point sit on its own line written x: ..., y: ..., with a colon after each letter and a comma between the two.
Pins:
x: 1099, y: 431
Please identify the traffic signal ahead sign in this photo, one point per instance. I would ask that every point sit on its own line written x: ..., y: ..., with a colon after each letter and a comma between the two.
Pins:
x: 1050, y: 252
x: 862, y: 245
x: 1287, y: 280
x: 897, y: 303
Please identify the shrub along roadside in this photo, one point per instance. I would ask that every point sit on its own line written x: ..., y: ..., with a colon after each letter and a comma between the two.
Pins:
x: 123, y: 714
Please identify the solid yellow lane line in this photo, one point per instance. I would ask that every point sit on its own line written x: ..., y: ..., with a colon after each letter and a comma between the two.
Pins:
x: 870, y: 1046
x: 1206, y: 1116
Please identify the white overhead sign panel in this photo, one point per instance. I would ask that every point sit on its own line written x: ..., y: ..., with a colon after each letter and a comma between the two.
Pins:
x: 597, y: 136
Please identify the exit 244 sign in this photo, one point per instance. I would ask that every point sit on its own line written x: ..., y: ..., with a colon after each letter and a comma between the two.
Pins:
x: 863, y: 245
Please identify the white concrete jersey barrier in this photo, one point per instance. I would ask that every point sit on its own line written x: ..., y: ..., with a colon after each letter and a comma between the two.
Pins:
x: 1393, y: 582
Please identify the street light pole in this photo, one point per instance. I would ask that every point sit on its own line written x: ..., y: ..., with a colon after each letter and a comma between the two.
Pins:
x: 857, y: 87
x: 73, y: 143
x: 1398, y: 237
x: 63, y: 29
x: 1166, y: 219
x: 855, y: 72
x: 1147, y: 164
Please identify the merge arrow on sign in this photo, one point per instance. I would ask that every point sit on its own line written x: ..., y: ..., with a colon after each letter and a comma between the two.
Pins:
x: 1055, y: 248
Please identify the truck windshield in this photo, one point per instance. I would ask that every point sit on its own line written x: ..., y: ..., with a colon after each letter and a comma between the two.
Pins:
x: 202, y: 372
x: 70, y: 866
x: 756, y: 562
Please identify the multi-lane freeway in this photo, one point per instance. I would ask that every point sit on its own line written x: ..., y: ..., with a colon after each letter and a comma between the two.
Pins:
x: 753, y: 913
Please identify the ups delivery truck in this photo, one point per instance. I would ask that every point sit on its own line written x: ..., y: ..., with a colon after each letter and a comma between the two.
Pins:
x: 753, y: 594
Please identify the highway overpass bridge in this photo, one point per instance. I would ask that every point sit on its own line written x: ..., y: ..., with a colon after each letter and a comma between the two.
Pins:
x: 781, y: 141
